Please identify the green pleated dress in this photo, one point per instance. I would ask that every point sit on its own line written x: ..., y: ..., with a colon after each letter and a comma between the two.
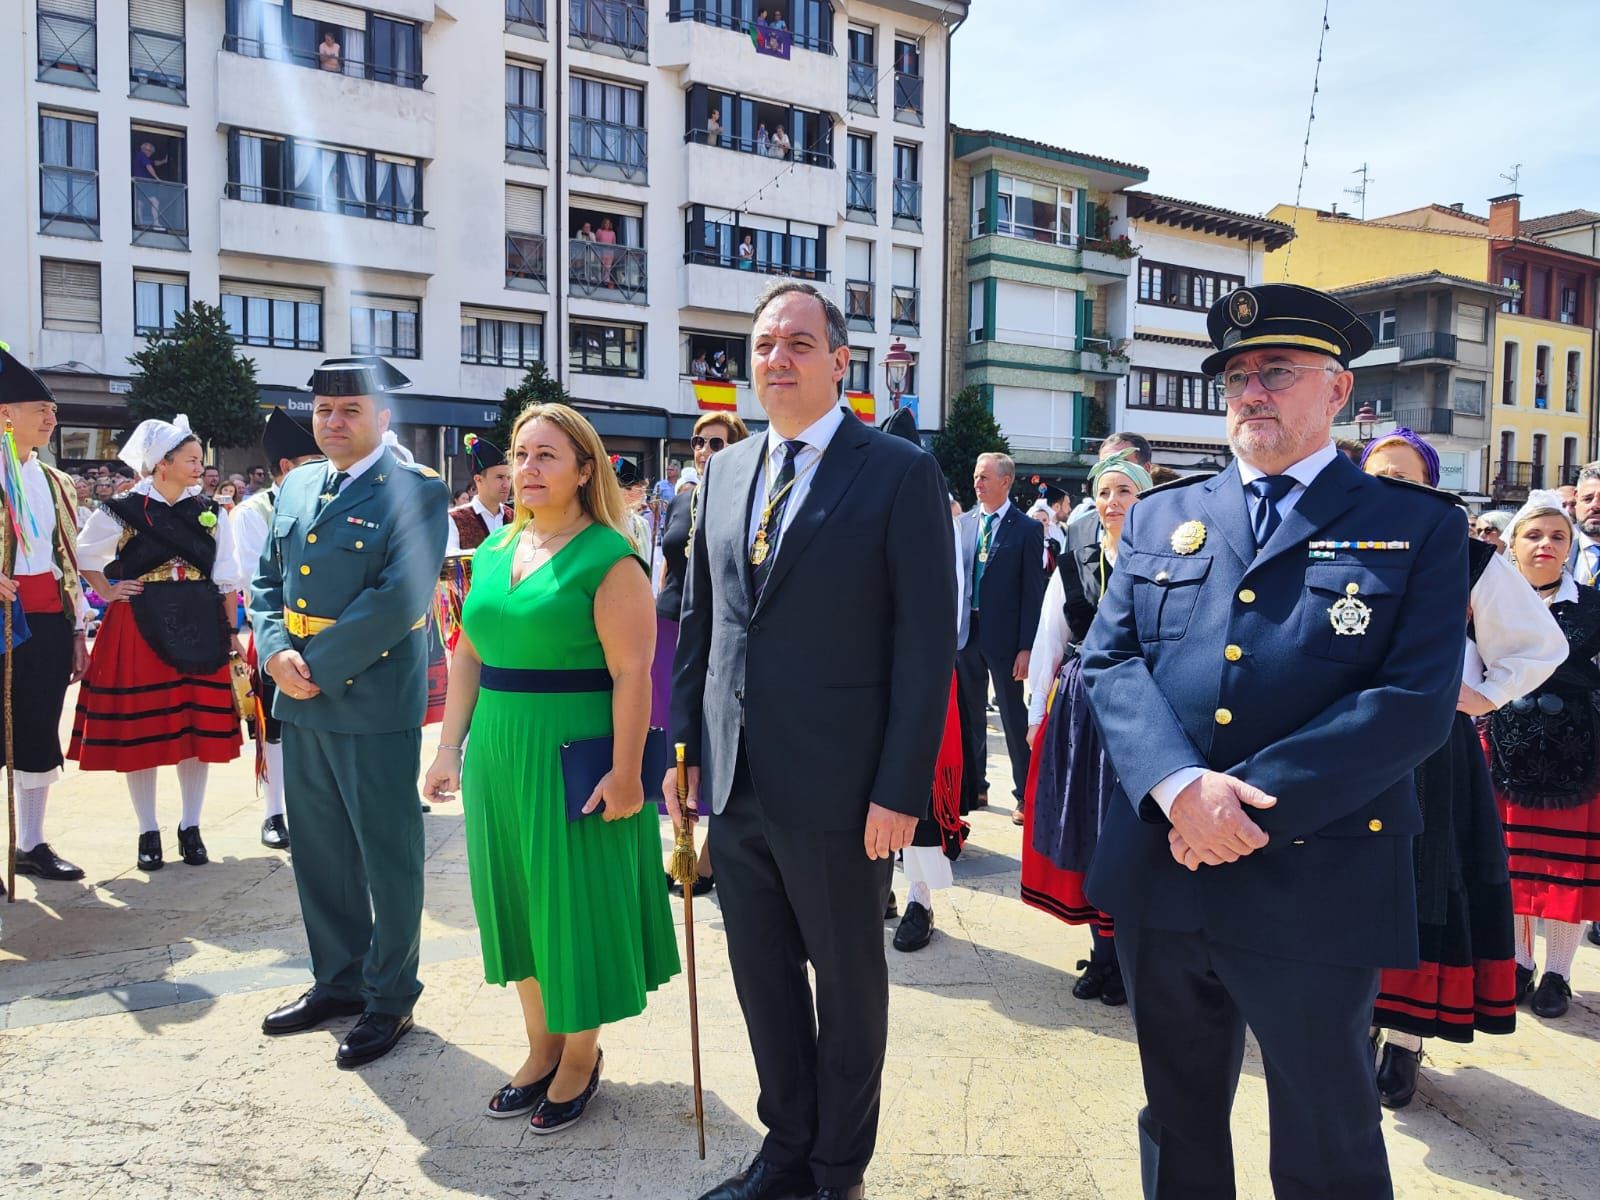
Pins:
x: 580, y: 906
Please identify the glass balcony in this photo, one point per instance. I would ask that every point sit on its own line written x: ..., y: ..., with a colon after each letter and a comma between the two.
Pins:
x: 903, y: 305
x: 908, y: 96
x: 67, y: 49
x: 159, y: 207
x: 528, y: 14
x: 908, y: 200
x: 606, y: 272
x: 599, y: 145
x: 858, y: 301
x: 621, y: 23
x: 155, y: 64
x: 356, y: 68
x: 864, y: 85
x: 859, y: 189
x: 524, y: 130
x: 69, y: 201
x: 525, y: 265
x: 758, y: 261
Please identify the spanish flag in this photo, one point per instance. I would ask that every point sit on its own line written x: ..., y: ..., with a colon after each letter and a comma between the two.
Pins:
x: 864, y: 405
x: 715, y: 395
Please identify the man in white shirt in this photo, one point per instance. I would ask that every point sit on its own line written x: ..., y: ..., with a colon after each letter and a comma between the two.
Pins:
x: 473, y: 522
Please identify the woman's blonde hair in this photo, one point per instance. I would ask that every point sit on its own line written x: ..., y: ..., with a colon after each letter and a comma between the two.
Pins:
x: 601, y: 496
x: 731, y: 421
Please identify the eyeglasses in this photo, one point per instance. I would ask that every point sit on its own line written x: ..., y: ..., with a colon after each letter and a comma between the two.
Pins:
x: 700, y: 443
x: 1276, y: 378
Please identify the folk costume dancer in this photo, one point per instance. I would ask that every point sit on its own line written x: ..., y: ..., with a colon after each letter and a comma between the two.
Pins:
x: 38, y: 568
x: 158, y: 691
x: 1268, y: 668
x: 288, y: 445
x: 488, y: 510
x: 339, y: 607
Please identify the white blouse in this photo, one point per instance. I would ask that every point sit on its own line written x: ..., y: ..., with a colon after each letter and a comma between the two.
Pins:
x: 1517, y: 643
x: 1050, y: 644
x: 98, y: 541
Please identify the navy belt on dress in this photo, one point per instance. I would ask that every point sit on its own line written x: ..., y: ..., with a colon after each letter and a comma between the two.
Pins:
x: 515, y: 679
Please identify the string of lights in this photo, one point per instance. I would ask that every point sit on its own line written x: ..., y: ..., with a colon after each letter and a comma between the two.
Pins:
x: 1305, y: 149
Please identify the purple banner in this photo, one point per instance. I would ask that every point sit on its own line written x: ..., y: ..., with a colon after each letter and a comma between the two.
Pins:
x: 770, y: 40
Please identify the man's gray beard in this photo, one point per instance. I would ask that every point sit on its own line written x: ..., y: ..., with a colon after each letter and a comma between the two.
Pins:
x: 1591, y: 529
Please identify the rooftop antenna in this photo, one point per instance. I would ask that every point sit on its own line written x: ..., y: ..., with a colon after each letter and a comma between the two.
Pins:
x: 1360, y: 193
x: 1516, y: 174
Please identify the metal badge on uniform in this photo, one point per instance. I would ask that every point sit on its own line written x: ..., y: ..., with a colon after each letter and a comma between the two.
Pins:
x: 1188, y: 537
x: 1350, y: 616
x: 1242, y: 308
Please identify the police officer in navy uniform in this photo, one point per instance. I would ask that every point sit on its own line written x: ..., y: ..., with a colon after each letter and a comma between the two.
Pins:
x: 1267, y: 668
x: 338, y: 606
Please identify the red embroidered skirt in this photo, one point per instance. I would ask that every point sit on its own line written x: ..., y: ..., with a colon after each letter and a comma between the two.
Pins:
x: 1555, y: 860
x: 135, y: 711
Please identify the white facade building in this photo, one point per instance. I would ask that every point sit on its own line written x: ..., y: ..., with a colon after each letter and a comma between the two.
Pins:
x: 471, y: 189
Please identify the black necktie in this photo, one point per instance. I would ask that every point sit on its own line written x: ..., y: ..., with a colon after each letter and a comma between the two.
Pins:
x: 1264, y: 518
x: 778, y: 492
x: 330, y: 492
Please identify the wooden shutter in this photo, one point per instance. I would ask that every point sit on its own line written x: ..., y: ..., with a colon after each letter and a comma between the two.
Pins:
x: 71, y: 293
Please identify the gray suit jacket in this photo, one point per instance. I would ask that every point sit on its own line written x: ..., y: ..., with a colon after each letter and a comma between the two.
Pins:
x: 837, y: 678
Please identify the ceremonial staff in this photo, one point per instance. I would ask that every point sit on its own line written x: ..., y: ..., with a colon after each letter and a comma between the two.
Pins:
x: 683, y: 872
x: 14, y: 503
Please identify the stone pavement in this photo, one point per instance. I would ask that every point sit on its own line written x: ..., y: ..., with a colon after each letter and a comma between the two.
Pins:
x: 132, y: 1063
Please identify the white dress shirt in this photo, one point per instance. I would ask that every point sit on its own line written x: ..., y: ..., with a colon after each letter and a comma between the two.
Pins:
x: 251, y: 528
x: 358, y: 468
x: 1586, y: 559
x: 39, y: 558
x: 97, y: 544
x: 493, y: 520
x: 816, y: 438
x: 1050, y: 642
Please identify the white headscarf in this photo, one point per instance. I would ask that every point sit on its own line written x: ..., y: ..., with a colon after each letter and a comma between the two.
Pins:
x: 1540, y: 503
x: 152, y: 441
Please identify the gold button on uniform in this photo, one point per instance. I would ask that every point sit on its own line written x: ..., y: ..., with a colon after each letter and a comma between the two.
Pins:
x: 305, y: 570
x: 1246, y: 596
x: 299, y: 603
x: 1352, y: 588
x: 349, y: 682
x: 311, y: 538
x: 385, y: 654
x: 361, y: 545
x: 1223, y: 716
x: 1375, y: 825
x: 1232, y: 653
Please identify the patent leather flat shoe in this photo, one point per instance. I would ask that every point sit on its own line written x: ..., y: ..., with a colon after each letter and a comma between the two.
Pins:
x: 702, y: 885
x: 44, y: 863
x: 373, y: 1036
x: 1397, y: 1076
x: 552, y: 1116
x: 275, y: 833
x: 1093, y: 980
x: 764, y: 1180
x: 150, y: 856
x: 1550, y: 998
x: 313, y: 1007
x: 1525, y: 983
x: 191, y: 847
x: 518, y: 1100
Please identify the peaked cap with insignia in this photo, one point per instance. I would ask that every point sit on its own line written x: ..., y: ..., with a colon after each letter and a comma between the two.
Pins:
x: 1283, y: 316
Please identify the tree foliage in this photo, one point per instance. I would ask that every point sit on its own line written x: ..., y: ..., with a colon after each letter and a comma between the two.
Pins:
x: 196, y: 369
x: 538, y: 386
x: 969, y: 430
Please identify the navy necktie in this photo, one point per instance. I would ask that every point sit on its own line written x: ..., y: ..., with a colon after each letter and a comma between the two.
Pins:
x: 1266, y: 493
x: 776, y: 502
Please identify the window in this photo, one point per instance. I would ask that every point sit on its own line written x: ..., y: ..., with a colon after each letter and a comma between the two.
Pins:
x: 1471, y: 322
x: 717, y: 356
x: 263, y: 314
x: 266, y: 169
x: 159, y: 158
x: 621, y: 23
x: 499, y: 339
x: 750, y: 242
x: 605, y: 250
x: 155, y: 49
x: 863, y: 86
x: 811, y: 24
x: 1036, y: 211
x: 908, y: 183
x: 860, y: 182
x: 1184, y: 287
x: 596, y: 349
x: 67, y: 51
x: 526, y: 14
x: 1574, y: 378
x: 1569, y: 461
x: 395, y: 50
x: 326, y: 36
x: 908, y: 80
x: 905, y: 296
x: 1537, y: 479
x: 1512, y: 275
x: 1381, y: 324
x: 733, y: 122
x: 158, y: 298
x: 385, y: 325
x: 524, y: 113
x: 1467, y: 397
x: 858, y: 282
x: 525, y: 242
x: 1538, y: 300
x: 1176, y: 391
x: 858, y: 375
x: 1508, y: 373
x: 607, y: 128
x: 975, y: 329
x: 70, y: 292
x: 1028, y: 314
x: 1508, y: 453
x: 1541, y: 377
x: 69, y: 175
x: 1569, y: 300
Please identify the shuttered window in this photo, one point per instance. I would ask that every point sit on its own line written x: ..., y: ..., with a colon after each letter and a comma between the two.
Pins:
x: 157, y: 16
x: 71, y: 295
x: 333, y: 14
x: 524, y: 209
x: 491, y: 337
x: 155, y: 45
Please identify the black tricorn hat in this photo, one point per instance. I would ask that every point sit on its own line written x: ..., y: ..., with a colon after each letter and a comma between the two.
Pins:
x: 902, y: 423
x: 18, y: 383
x: 484, y: 454
x: 284, y: 437
x: 1283, y: 316
x: 364, y: 375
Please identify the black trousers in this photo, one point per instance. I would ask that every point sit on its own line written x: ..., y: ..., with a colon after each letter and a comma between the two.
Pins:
x: 792, y: 897
x: 40, y: 669
x: 974, y: 673
x: 1192, y: 998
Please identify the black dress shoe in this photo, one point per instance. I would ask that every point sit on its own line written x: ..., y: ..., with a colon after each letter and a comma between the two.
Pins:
x: 150, y: 851
x: 44, y: 863
x: 518, y: 1100
x: 916, y: 928
x: 1093, y: 980
x: 191, y: 847
x: 764, y: 1180
x: 702, y: 885
x: 552, y: 1116
x: 1594, y: 933
x: 275, y: 833
x: 856, y: 1191
x: 1550, y: 998
x: 1524, y: 983
x: 373, y: 1037
x: 1397, y: 1076
x: 892, y: 910
x: 1113, y: 992
x: 309, y: 1011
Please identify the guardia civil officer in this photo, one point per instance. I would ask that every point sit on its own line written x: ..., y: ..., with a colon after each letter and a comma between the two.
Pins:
x: 338, y: 605
x: 1267, y: 668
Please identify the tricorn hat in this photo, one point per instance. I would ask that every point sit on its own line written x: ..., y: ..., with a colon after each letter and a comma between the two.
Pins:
x: 363, y: 375
x: 284, y: 437
x: 18, y: 383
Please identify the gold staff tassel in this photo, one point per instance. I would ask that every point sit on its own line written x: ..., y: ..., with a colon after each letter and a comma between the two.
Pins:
x: 683, y: 872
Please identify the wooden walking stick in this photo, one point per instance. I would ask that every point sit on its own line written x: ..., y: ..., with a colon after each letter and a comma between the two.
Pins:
x: 683, y: 872
x: 11, y: 776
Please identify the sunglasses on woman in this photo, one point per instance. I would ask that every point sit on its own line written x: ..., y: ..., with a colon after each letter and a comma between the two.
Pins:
x: 700, y: 443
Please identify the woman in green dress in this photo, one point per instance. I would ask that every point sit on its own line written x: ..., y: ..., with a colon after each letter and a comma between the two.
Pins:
x: 558, y: 636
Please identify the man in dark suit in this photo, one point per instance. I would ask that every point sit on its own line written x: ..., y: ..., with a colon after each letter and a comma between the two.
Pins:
x: 1003, y: 555
x: 810, y: 684
x: 1270, y: 664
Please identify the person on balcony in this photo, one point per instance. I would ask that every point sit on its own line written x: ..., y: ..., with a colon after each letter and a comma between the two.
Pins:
x: 607, y: 236
x: 145, y: 163
x: 328, y: 52
x: 781, y: 145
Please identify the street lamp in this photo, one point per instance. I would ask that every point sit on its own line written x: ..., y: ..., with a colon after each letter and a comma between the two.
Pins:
x: 1365, y: 420
x: 896, y: 371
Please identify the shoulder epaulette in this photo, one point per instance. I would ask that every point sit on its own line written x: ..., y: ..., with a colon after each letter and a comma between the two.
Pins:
x: 1424, y: 489
x: 1183, y: 482
x: 425, y: 472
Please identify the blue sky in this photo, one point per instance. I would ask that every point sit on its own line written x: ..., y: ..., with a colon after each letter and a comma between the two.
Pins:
x: 1438, y: 99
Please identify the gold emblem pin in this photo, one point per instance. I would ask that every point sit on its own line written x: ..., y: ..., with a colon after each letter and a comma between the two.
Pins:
x: 1350, y: 616
x: 1242, y: 307
x: 1188, y: 537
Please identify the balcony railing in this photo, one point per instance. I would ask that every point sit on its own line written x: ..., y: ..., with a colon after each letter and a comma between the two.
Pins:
x: 1031, y: 233
x: 160, y: 207
x: 526, y: 12
x: 155, y: 60
x: 71, y: 195
x: 1427, y: 420
x: 1567, y: 474
x: 1515, y: 479
x: 864, y: 84
x: 903, y: 305
x: 767, y: 149
x: 606, y: 272
x: 858, y: 300
x: 859, y: 189
x: 67, y: 49
x: 756, y: 262
x: 621, y: 23
x: 716, y: 14
x: 597, y: 144
x: 907, y: 93
x: 255, y: 193
x: 525, y: 268
x: 524, y: 129
x: 1432, y: 344
x: 908, y: 200
x: 353, y: 67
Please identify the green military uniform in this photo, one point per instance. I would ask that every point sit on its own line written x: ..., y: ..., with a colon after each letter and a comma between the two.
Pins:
x: 346, y: 580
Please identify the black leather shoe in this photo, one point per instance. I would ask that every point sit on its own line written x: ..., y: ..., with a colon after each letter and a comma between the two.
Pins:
x: 1594, y: 933
x: 1113, y: 992
x: 373, y: 1037
x: 518, y: 1100
x: 702, y: 885
x: 275, y: 833
x: 44, y: 863
x: 150, y: 851
x: 309, y: 1011
x: 191, y: 847
x: 916, y: 928
x: 892, y: 911
x: 1524, y: 983
x: 1093, y: 980
x: 856, y: 1191
x: 1397, y: 1076
x: 764, y: 1180
x: 552, y: 1116
x: 1551, y: 996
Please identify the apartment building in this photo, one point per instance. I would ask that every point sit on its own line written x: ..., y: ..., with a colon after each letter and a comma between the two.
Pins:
x: 600, y: 185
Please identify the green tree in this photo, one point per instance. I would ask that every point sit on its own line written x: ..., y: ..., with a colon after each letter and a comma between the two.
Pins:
x: 196, y: 369
x: 538, y: 386
x: 969, y: 430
